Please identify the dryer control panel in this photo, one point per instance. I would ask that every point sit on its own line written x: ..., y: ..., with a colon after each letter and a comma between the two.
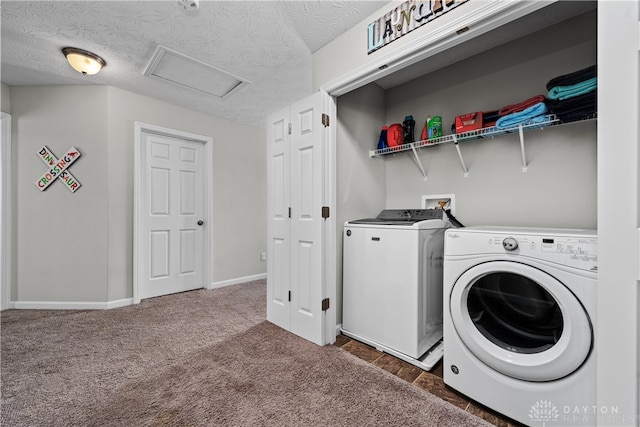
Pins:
x: 570, y: 249
x: 582, y: 248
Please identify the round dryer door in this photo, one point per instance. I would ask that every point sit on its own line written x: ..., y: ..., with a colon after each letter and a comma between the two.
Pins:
x: 520, y: 321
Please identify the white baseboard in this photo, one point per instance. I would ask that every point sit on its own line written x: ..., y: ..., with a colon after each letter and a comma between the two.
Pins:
x: 338, y: 329
x: 119, y: 303
x: 66, y: 305
x: 223, y: 283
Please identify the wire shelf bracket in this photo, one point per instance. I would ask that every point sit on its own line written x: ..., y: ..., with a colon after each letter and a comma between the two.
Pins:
x: 418, y: 162
x: 464, y: 166
x: 524, y: 157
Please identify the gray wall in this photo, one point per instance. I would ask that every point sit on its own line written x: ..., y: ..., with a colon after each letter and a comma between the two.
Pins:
x: 61, y: 237
x: 239, y: 187
x: 5, y: 102
x: 559, y: 188
x: 78, y: 247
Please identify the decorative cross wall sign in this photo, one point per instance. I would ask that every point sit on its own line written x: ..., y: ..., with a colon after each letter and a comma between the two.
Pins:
x: 58, y: 169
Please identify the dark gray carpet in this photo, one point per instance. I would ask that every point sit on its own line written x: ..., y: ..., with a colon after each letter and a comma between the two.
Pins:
x: 200, y: 358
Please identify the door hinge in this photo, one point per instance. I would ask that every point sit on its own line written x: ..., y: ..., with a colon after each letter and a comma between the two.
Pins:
x: 325, y: 212
x: 289, y: 211
x: 325, y: 119
x: 289, y: 128
x: 325, y: 304
x: 289, y: 296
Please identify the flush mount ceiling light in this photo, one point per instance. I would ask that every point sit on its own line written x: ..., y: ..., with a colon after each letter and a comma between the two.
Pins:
x: 83, y: 61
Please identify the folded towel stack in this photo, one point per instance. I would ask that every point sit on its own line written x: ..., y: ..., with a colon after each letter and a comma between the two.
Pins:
x: 573, y: 78
x: 515, y: 108
x: 576, y: 108
x: 533, y: 114
x: 573, y: 96
x: 571, y: 91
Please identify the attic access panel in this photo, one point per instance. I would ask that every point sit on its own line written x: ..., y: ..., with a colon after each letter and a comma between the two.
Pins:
x: 177, y: 68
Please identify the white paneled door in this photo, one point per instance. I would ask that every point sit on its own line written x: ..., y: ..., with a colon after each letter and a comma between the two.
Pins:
x: 279, y: 223
x: 296, y: 149
x: 172, y: 215
x: 307, y: 149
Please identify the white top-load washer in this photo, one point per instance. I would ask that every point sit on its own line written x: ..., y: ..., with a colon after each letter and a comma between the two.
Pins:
x: 520, y: 321
x: 392, y: 283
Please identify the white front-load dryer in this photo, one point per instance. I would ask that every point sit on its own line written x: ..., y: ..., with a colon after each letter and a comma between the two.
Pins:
x: 519, y: 322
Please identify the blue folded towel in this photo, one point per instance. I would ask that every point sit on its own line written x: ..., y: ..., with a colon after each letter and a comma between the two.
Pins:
x: 533, y: 114
x: 564, y: 92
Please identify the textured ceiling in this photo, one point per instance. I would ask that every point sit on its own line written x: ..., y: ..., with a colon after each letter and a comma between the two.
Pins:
x: 267, y: 43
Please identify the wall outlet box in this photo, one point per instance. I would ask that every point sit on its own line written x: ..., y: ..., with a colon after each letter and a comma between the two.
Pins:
x: 441, y: 201
x: 263, y: 256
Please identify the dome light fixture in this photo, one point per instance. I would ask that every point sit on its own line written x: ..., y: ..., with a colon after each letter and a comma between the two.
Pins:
x: 83, y: 61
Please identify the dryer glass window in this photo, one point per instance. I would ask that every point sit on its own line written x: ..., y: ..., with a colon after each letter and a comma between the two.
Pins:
x: 515, y: 313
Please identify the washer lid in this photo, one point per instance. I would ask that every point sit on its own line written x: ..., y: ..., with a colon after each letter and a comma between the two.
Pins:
x: 402, y: 217
x: 520, y: 321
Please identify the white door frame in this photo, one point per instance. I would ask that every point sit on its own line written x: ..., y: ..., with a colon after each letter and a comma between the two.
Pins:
x: 618, y: 315
x: 208, y: 204
x: 5, y: 213
x: 330, y: 240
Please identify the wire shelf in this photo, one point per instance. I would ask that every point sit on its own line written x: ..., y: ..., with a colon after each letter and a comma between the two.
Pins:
x: 489, y: 132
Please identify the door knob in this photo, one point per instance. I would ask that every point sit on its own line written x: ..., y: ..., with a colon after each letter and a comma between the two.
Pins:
x: 200, y: 222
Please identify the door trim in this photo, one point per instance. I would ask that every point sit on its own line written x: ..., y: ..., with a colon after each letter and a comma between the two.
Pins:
x: 5, y: 214
x: 490, y: 15
x: 141, y: 127
x: 330, y: 238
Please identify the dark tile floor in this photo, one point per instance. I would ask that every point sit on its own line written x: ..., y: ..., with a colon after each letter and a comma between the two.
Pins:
x: 430, y: 381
